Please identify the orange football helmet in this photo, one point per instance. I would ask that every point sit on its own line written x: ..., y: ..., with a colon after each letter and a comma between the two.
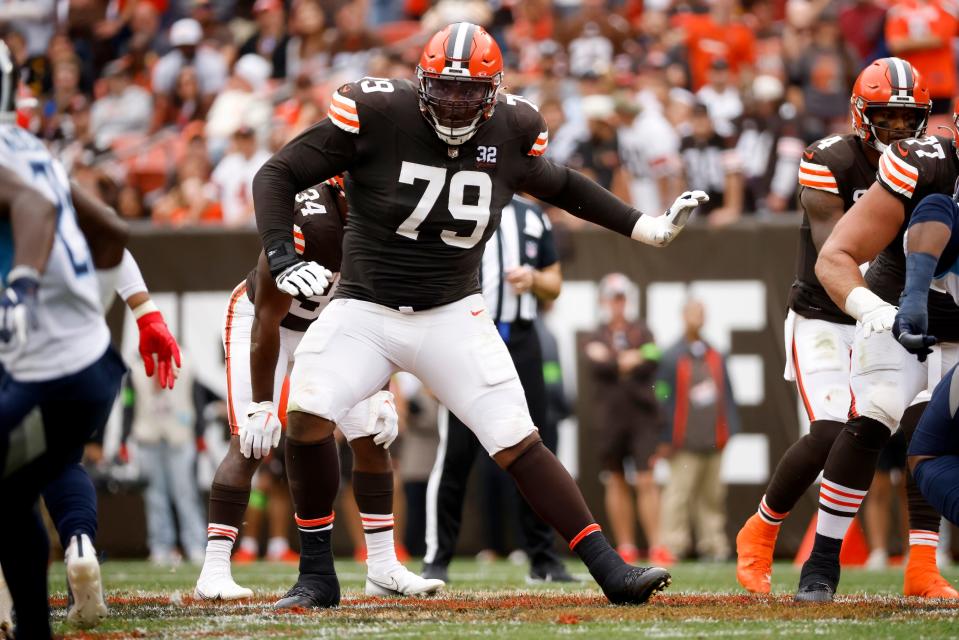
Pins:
x: 460, y: 71
x: 889, y: 83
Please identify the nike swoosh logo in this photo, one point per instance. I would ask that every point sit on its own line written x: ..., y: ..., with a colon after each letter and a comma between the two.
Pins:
x: 476, y: 313
x: 391, y: 585
x: 902, y: 151
x: 808, y: 154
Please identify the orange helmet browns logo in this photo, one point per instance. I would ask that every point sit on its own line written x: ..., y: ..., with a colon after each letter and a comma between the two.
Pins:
x: 889, y: 83
x: 459, y: 73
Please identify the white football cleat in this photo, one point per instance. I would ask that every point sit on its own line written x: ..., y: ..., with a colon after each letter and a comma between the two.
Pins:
x: 6, y: 610
x: 85, y: 605
x: 220, y: 587
x: 400, y: 581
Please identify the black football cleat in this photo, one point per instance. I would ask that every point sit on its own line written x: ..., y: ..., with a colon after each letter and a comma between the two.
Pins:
x: 435, y: 572
x: 312, y: 591
x: 549, y: 571
x: 816, y: 591
x: 635, y: 585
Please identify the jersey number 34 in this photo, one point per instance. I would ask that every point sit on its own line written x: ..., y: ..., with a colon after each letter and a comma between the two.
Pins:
x: 435, y: 178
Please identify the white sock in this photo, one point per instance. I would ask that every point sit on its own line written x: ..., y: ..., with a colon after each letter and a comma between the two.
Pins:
x: 250, y: 545
x: 380, y: 548
x: 838, y: 505
x: 276, y: 547
x: 217, y: 559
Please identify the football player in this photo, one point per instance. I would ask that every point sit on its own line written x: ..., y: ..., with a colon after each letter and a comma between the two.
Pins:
x: 265, y: 322
x: 429, y: 166
x: 884, y: 378
x: 834, y: 173
x: 61, y: 375
x: 932, y: 252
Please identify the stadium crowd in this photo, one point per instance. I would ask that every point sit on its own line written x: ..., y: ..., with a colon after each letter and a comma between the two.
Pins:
x: 168, y: 107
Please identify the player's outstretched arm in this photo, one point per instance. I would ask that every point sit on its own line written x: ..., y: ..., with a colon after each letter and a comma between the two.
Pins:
x: 261, y: 432
x: 317, y: 154
x: 858, y: 237
x: 932, y: 225
x: 570, y: 190
x: 106, y: 233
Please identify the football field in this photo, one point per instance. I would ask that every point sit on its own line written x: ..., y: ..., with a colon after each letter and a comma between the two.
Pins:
x: 494, y: 601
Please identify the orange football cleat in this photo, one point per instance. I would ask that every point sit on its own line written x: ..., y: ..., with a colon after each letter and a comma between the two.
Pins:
x: 628, y: 552
x: 289, y: 556
x: 755, y: 543
x: 660, y: 556
x: 922, y: 577
x: 242, y: 556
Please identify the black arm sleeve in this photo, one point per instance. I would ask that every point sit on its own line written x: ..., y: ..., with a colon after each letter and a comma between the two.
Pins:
x: 570, y: 190
x: 317, y: 154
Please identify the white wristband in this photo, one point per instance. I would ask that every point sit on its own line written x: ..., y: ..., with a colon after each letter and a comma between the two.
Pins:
x: 130, y: 280
x: 142, y: 309
x: 259, y: 407
x: 861, y: 301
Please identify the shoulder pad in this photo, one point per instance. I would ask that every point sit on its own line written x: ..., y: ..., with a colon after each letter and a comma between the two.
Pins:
x: 352, y: 101
x: 525, y: 118
x: 823, y: 160
x: 907, y: 164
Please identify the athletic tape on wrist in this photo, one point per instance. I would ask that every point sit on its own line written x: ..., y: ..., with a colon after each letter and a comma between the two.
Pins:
x: 144, y: 308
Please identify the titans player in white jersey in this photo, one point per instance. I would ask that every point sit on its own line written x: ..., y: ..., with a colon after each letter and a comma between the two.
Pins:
x: 61, y: 376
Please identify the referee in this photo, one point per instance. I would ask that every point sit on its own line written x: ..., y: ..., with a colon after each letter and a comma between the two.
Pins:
x: 519, y: 269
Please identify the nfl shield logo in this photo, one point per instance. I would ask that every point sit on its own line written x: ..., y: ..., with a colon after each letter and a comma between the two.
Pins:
x: 532, y: 248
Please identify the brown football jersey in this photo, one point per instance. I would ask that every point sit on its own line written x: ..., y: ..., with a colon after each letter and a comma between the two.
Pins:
x: 911, y: 170
x: 837, y: 165
x: 318, y: 215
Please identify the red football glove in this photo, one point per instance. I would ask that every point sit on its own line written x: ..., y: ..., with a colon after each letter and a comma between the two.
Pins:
x: 158, y: 348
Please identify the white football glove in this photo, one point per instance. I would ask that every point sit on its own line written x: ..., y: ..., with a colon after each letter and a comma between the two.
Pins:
x: 384, y: 421
x: 18, y: 309
x: 261, y: 431
x: 304, y: 278
x: 875, y: 314
x: 659, y: 231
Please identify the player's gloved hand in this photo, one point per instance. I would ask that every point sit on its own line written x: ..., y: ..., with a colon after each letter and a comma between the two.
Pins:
x: 911, y: 325
x: 18, y: 308
x: 158, y: 347
x: 261, y: 431
x: 875, y: 314
x: 660, y: 231
x: 384, y: 421
x: 304, y: 279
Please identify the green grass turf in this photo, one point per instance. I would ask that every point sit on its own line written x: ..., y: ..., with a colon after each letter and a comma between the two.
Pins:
x: 493, y: 600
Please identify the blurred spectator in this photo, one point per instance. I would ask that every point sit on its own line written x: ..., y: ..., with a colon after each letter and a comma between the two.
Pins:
x: 191, y: 198
x: 711, y: 163
x: 163, y: 430
x: 244, y: 102
x: 769, y: 148
x: 713, y: 31
x: 186, y: 35
x: 622, y: 359
x: 35, y: 19
x: 294, y: 115
x: 701, y: 416
x: 923, y: 32
x: 597, y: 155
x: 649, y: 148
x: 125, y: 109
x: 233, y: 177
x: 307, y: 51
x: 721, y: 98
x: 825, y: 71
x: 270, y: 40
x: 861, y: 23
x: 185, y: 104
x: 592, y: 37
x: 351, y: 44
x: 65, y: 96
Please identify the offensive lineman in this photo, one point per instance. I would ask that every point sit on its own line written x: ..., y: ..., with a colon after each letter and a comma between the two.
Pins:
x: 429, y: 167
x: 264, y: 324
x: 884, y: 377
x: 833, y: 175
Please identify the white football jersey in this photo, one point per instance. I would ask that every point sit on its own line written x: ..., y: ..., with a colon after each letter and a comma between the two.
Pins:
x: 949, y: 282
x: 71, y: 332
